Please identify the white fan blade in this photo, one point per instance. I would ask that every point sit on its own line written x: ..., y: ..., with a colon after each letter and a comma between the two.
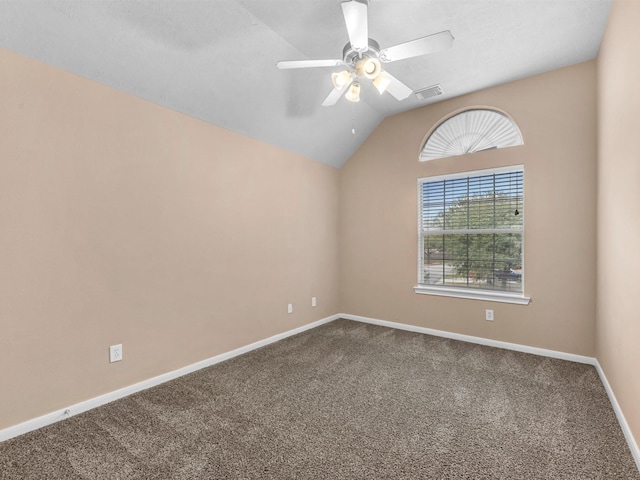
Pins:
x: 287, y: 64
x: 396, y: 87
x: 355, y: 17
x: 335, y: 95
x: 420, y: 46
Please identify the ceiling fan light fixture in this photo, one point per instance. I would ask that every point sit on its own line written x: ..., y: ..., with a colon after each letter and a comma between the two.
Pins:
x: 353, y: 94
x: 362, y: 57
x: 381, y: 83
x: 341, y: 79
x: 368, y: 67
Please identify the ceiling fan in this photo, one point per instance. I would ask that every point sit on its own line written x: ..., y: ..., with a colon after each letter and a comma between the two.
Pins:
x: 362, y: 56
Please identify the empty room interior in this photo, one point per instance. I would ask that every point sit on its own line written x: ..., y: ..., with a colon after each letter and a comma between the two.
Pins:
x: 223, y: 256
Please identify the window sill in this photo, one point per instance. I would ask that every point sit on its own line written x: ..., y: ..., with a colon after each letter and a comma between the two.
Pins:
x: 473, y: 294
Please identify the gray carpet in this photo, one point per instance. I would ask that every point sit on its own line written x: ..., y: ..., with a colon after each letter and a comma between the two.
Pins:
x: 346, y: 401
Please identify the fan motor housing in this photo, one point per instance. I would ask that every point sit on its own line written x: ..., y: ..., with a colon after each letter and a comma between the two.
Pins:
x: 351, y: 57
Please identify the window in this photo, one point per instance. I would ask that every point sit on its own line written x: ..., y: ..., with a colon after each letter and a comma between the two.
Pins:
x: 472, y: 130
x: 471, y: 229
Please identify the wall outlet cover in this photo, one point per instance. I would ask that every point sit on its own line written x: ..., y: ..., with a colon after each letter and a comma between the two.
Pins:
x: 115, y: 353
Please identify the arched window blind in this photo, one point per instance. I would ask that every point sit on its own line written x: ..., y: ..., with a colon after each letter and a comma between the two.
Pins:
x: 471, y: 131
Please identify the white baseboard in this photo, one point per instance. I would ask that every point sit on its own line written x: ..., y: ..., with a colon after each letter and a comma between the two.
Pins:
x: 543, y: 352
x: 66, y: 412
x: 633, y: 446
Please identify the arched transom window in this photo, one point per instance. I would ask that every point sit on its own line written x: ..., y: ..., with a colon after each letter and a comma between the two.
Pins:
x: 469, y: 131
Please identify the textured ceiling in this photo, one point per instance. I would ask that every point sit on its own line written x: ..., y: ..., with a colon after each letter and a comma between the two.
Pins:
x: 215, y: 59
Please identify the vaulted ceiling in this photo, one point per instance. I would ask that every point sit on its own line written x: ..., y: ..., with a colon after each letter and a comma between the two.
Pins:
x: 215, y: 59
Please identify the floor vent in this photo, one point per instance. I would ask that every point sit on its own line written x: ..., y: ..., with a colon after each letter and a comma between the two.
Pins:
x: 432, y: 91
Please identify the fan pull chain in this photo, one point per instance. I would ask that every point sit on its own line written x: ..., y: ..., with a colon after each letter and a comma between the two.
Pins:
x: 353, y: 128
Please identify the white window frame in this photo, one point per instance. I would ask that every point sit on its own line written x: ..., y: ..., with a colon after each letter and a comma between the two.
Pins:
x: 461, y: 292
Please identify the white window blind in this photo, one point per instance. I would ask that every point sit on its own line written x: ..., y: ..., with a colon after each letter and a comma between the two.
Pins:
x: 470, y: 131
x: 471, y: 230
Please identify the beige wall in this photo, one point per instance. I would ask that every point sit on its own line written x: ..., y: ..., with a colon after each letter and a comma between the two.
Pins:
x: 124, y: 222
x: 618, y: 319
x: 556, y: 112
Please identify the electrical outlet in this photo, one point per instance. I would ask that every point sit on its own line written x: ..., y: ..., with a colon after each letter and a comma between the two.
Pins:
x: 290, y: 308
x: 313, y: 301
x: 115, y: 353
x: 488, y: 315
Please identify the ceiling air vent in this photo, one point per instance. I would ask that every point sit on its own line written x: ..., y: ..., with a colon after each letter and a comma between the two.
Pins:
x: 432, y: 91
